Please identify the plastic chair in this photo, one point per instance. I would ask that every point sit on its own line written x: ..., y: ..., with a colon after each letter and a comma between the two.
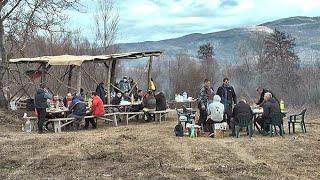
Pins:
x: 186, y: 117
x: 244, y: 120
x: 297, y: 118
x: 276, y: 120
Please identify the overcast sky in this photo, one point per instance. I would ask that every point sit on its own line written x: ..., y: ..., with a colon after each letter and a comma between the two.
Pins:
x: 150, y: 20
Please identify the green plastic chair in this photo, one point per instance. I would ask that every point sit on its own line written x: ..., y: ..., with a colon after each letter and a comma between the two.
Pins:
x: 299, y: 119
x: 276, y: 120
x: 244, y: 120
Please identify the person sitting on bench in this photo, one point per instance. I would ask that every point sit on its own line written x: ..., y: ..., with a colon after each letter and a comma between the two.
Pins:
x: 78, y: 111
x: 161, y: 103
x: 149, y: 104
x: 97, y: 109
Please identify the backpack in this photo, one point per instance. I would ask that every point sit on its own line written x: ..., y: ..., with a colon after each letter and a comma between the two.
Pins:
x: 178, y: 129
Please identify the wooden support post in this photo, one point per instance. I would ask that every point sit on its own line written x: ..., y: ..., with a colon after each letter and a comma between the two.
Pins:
x: 149, y: 71
x: 78, y: 79
x: 109, y: 82
x: 43, y: 73
x: 113, y: 70
x: 70, y: 77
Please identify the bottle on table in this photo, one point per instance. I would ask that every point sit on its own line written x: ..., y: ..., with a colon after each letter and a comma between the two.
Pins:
x: 192, y: 131
x: 185, y: 96
x: 28, y: 126
x: 282, y: 105
x: 132, y: 99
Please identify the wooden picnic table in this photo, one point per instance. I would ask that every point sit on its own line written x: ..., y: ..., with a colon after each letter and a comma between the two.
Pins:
x: 188, y: 102
x: 59, y: 110
x: 125, y: 106
x: 257, y: 112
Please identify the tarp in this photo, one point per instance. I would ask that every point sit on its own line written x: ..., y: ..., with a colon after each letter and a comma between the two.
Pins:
x: 65, y: 60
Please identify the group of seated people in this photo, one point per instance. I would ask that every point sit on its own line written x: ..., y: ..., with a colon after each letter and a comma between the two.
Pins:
x: 216, y: 112
x: 145, y: 101
x: 77, y: 108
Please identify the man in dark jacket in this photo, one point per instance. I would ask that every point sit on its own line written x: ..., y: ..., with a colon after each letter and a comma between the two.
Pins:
x: 149, y: 104
x: 101, y: 92
x: 40, y: 101
x: 262, y: 92
x: 241, y: 108
x: 78, y: 111
x: 270, y: 107
x: 228, y: 97
x: 117, y: 99
x: 161, y: 103
x: 204, y: 94
x: 126, y: 96
x: 124, y: 84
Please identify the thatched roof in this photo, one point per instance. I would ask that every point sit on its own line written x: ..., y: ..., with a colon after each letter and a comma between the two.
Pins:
x: 64, y: 60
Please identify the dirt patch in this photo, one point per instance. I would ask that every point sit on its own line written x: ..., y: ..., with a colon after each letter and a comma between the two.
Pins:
x: 151, y: 151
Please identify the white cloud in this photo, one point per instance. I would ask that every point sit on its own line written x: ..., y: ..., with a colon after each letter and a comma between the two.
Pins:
x: 142, y: 20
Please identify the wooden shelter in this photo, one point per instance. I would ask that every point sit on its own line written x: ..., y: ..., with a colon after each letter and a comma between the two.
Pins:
x: 76, y: 62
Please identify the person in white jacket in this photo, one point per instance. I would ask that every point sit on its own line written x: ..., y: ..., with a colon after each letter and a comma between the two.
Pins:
x: 215, y: 112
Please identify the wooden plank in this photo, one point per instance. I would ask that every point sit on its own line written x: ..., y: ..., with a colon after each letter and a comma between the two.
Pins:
x: 78, y: 79
x: 43, y: 73
x: 70, y: 77
x: 61, y: 119
x: 109, y: 82
x: 149, y: 71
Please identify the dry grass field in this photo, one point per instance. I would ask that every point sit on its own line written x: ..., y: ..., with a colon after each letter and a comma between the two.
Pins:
x: 151, y: 151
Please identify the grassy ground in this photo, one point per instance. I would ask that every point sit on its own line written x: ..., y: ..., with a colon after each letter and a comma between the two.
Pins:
x: 151, y: 151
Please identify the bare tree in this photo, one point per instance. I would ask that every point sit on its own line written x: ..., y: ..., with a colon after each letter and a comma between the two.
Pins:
x: 21, y: 18
x: 106, y: 21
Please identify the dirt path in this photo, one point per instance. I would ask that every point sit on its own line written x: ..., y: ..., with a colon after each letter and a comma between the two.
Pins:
x: 151, y: 151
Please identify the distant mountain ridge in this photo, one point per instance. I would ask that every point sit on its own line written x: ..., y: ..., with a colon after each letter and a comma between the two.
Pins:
x: 306, y: 31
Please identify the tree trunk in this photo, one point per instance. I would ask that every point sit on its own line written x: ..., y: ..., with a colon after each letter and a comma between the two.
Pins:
x: 3, y: 66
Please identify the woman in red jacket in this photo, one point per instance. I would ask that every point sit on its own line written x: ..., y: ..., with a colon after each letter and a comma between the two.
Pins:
x: 97, y: 110
x: 97, y: 105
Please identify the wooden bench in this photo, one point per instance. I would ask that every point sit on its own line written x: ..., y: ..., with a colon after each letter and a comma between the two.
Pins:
x: 31, y: 118
x: 105, y: 118
x: 58, y: 123
x: 161, y: 114
x: 130, y: 115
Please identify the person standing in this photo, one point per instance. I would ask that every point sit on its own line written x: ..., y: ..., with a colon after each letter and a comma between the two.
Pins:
x: 204, y: 94
x: 228, y: 97
x: 101, y: 92
x: 40, y: 100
